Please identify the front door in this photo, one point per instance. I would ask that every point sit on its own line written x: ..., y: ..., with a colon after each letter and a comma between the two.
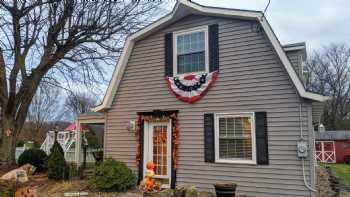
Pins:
x: 157, y: 148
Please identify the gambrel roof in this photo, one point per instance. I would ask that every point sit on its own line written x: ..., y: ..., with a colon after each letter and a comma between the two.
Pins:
x: 184, y: 8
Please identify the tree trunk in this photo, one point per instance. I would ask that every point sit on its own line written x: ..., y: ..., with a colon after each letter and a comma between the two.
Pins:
x: 8, y: 143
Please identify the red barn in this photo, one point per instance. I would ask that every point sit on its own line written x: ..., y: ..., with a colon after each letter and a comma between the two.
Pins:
x: 332, y: 146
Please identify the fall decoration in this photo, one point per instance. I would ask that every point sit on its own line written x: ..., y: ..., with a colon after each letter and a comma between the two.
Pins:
x: 175, y: 134
x: 149, y: 184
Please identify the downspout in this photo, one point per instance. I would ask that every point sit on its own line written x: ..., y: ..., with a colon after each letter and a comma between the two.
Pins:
x: 303, y: 159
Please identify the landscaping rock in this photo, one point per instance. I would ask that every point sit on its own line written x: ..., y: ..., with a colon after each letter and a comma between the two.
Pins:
x: 191, y: 192
x: 206, y: 194
x: 324, y: 188
x: 16, y: 175
x: 186, y: 191
x: 164, y: 193
x: 180, y: 190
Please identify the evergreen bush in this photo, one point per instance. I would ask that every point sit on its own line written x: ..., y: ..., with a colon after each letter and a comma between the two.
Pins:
x: 57, y: 166
x: 112, y: 176
x: 35, y: 157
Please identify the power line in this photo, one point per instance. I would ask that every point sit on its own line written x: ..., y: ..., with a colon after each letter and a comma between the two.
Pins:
x: 267, y: 6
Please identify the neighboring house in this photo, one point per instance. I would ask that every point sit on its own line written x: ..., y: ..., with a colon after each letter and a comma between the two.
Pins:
x: 214, y: 97
x: 332, y: 146
x: 66, y: 139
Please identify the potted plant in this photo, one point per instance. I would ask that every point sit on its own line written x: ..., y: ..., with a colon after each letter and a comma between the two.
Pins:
x: 148, y: 185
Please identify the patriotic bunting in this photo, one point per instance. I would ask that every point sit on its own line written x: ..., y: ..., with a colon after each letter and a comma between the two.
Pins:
x: 191, y: 87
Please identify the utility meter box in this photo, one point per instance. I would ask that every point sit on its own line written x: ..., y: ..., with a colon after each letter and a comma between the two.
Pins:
x: 302, y: 148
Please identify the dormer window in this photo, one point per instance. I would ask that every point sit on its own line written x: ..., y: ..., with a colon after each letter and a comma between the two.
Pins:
x: 191, y: 51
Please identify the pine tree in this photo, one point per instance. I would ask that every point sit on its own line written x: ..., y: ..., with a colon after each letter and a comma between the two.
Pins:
x: 57, y: 166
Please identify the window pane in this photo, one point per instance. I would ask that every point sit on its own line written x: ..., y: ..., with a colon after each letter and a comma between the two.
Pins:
x: 191, y: 52
x: 235, y: 149
x: 160, y: 150
x: 190, y: 43
x: 191, y: 63
x: 235, y: 138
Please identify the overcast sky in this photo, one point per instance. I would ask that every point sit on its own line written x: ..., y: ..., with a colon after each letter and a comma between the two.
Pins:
x: 317, y: 22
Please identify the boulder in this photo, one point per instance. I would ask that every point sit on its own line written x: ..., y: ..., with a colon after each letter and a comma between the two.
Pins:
x: 186, y: 191
x: 30, y: 169
x: 191, y: 192
x: 163, y: 193
x: 166, y: 193
x: 206, y: 194
x: 180, y: 190
x: 16, y: 175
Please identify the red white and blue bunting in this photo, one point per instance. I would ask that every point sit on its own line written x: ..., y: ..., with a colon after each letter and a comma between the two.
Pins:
x: 191, y: 87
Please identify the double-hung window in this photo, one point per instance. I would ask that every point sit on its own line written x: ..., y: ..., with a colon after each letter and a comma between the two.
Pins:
x: 235, y: 138
x: 191, y: 51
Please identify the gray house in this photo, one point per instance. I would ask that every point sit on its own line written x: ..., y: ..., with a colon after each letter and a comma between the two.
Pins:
x: 210, y: 95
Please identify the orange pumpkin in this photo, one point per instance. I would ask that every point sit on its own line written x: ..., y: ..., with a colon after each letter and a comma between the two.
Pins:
x: 149, y: 183
x: 150, y: 165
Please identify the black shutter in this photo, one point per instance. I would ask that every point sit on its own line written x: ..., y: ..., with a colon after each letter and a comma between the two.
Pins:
x: 173, y: 171
x: 262, y: 151
x: 209, y: 145
x: 141, y: 152
x: 168, y: 54
x: 214, y: 47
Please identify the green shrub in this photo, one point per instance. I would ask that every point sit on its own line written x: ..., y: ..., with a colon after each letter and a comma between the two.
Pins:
x: 57, y: 165
x: 72, y: 170
x: 35, y: 157
x: 111, y: 175
x: 56, y: 146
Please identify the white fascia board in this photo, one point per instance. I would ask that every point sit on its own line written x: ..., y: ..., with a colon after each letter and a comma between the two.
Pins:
x: 129, y: 44
x: 222, y: 11
x: 295, y: 48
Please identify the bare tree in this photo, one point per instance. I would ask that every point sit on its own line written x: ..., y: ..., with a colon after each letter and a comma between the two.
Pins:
x: 79, y: 103
x: 329, y: 70
x: 44, y: 106
x: 55, y: 41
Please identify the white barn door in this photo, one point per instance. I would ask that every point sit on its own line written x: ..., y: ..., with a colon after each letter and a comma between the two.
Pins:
x: 325, y: 151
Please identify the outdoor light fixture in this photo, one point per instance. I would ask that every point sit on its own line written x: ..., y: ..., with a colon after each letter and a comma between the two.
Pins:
x: 131, y: 125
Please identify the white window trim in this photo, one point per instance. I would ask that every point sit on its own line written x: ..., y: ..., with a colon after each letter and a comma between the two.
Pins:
x: 206, y: 47
x: 235, y: 161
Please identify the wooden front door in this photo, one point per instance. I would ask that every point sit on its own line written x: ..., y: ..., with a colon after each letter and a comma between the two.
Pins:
x: 157, y: 148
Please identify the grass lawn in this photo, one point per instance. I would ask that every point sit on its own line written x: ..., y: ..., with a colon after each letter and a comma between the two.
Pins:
x: 342, y: 171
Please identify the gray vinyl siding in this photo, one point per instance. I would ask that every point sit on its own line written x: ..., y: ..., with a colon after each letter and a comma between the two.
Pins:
x: 296, y: 59
x: 317, y: 112
x: 251, y: 78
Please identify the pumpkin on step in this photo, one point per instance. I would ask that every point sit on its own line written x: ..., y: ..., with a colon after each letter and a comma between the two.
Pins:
x: 149, y: 184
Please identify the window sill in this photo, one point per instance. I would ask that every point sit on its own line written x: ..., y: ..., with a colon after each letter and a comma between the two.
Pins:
x: 250, y: 162
x: 190, y: 73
